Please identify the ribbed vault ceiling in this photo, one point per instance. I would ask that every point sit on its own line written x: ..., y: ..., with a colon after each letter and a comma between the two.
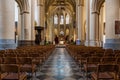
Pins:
x: 49, y: 3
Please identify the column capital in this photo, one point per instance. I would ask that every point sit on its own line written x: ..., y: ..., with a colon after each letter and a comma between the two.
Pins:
x: 95, y: 12
x: 39, y: 4
x: 80, y: 5
x: 23, y: 12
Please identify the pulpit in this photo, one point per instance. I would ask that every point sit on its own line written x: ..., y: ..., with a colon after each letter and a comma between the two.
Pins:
x: 38, y: 34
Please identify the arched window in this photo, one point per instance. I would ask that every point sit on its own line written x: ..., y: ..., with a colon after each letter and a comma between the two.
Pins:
x: 67, y: 19
x: 16, y: 12
x: 36, y: 11
x: 61, y: 19
x: 55, y: 19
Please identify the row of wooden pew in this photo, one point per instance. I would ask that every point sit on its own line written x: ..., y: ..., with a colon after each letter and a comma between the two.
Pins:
x: 98, y: 63
x: 15, y: 64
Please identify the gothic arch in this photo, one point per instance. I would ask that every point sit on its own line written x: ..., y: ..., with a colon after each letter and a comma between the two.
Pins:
x: 81, y: 2
x: 96, y: 5
x: 24, y: 5
x: 19, y: 3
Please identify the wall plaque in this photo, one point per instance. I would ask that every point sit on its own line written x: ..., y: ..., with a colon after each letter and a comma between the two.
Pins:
x: 117, y: 27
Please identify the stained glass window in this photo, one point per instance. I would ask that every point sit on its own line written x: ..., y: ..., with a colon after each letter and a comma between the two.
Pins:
x: 55, y: 19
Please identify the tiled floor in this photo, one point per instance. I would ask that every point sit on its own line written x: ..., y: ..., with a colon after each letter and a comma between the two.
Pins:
x: 60, y: 66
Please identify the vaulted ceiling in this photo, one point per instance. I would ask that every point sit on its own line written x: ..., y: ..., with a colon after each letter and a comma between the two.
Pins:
x: 49, y: 3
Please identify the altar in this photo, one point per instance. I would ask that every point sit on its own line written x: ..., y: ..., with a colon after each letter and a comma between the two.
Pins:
x: 61, y: 39
x: 62, y: 42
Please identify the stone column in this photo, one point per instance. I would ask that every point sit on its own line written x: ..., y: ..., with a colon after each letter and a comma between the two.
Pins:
x: 112, y: 14
x: 19, y: 25
x: 47, y: 29
x: 80, y: 20
x: 43, y: 21
x: 59, y: 24
x: 7, y: 24
x: 72, y: 29
x: 25, y: 29
x: 94, y: 29
x: 33, y: 21
x: 38, y: 12
x: 51, y: 28
x: 87, y: 21
x: 101, y: 26
x: 84, y: 23
x: 27, y: 26
x: 76, y: 26
x: 41, y: 17
x: 64, y: 24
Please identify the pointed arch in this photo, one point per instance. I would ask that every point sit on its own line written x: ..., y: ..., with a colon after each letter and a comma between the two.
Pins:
x: 96, y: 5
x: 81, y: 2
x: 19, y: 3
x: 24, y: 5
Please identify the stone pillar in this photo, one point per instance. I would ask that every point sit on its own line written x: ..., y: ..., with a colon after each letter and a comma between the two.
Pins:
x: 51, y: 29
x: 72, y: 29
x: 80, y: 21
x: 101, y: 26
x: 88, y: 6
x: 43, y: 22
x: 59, y: 24
x: 32, y: 21
x: 74, y: 35
x: 7, y: 24
x: 84, y: 23
x: 38, y: 12
x: 112, y: 14
x: 94, y: 29
x: 47, y: 27
x: 41, y: 17
x: 64, y: 24
x: 77, y: 21
x: 19, y: 25
x: 27, y: 26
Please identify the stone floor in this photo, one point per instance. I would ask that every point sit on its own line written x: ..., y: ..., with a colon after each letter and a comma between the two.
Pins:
x: 60, y: 66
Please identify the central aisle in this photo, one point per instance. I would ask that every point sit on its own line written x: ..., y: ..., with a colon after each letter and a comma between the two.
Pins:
x: 60, y: 66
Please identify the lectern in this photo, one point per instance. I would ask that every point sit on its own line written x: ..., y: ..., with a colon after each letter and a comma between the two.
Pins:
x: 38, y: 34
